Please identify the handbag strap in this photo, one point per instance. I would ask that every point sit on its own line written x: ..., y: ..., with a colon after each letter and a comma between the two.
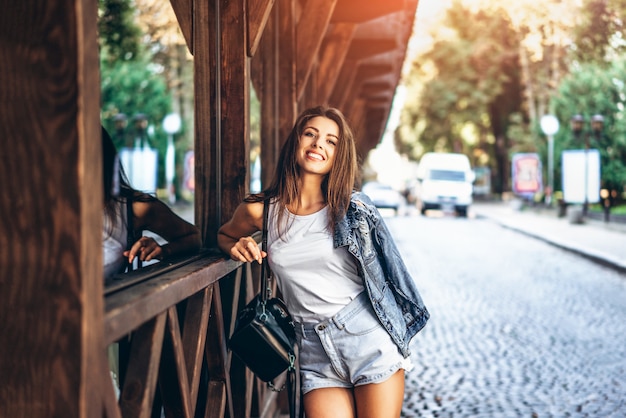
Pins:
x: 265, y: 270
x: 296, y: 406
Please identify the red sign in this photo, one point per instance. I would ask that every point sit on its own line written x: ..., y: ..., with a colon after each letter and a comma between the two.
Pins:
x: 527, y: 179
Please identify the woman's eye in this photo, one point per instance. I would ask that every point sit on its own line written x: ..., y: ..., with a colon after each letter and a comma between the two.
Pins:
x: 310, y: 134
x: 331, y: 141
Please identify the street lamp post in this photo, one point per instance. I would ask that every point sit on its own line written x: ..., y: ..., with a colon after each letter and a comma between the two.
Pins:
x: 550, y: 126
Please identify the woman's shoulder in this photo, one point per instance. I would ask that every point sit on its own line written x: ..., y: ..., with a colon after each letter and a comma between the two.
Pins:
x: 360, y: 199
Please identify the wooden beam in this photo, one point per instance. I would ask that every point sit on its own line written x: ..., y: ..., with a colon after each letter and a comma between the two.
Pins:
x: 143, y: 368
x: 234, y: 85
x: 367, y: 48
x: 370, y: 71
x: 194, y: 337
x: 258, y: 11
x: 344, y: 84
x: 332, y: 56
x: 376, y: 88
x: 183, y: 9
x: 208, y: 194
x: 287, y: 95
x: 308, y: 97
x: 311, y: 28
x: 51, y: 206
x: 374, y: 125
x: 173, y: 378
x: 379, y: 101
x: 359, y: 11
x: 269, y: 96
x: 219, y: 396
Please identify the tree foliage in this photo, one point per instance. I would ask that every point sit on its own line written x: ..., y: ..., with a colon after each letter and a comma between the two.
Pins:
x: 472, y: 88
x: 595, y: 86
x: 133, y: 87
x: 118, y: 31
x: 593, y: 89
x: 599, y: 34
x: 132, y: 82
x: 494, y: 69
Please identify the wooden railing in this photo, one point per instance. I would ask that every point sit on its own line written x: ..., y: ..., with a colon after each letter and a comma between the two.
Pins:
x: 171, y: 323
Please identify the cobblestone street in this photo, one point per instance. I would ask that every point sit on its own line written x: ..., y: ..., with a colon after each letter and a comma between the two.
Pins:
x: 519, y: 328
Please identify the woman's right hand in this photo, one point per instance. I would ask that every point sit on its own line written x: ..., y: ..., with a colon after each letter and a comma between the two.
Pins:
x: 247, y: 250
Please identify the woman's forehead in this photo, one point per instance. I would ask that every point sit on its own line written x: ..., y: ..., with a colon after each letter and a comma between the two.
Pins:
x: 323, y: 123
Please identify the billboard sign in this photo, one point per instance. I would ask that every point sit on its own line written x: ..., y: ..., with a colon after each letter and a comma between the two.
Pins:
x: 577, y: 163
x: 526, y: 174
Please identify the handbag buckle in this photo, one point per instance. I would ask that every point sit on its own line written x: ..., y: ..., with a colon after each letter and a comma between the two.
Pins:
x: 292, y: 367
x: 263, y: 316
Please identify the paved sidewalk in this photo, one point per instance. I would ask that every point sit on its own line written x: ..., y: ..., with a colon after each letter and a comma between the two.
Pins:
x: 602, y: 242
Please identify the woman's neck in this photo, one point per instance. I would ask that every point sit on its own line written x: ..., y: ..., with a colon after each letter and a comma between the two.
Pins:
x: 311, y: 198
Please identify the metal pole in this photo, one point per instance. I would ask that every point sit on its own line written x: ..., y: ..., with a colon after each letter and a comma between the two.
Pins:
x: 551, y: 167
x: 170, y: 167
x: 586, y: 201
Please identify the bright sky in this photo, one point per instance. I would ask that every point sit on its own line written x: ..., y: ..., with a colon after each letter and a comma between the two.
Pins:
x: 392, y: 169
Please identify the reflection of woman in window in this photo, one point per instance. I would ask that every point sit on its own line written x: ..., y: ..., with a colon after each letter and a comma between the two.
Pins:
x: 147, y: 214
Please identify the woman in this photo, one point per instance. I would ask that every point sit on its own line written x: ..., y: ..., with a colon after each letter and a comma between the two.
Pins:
x: 336, y: 265
x: 148, y: 214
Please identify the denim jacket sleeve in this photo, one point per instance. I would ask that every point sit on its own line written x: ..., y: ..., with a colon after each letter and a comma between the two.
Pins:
x: 391, y: 289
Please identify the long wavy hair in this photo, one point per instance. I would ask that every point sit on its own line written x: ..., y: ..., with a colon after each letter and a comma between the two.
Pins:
x: 338, y: 184
x: 116, y: 187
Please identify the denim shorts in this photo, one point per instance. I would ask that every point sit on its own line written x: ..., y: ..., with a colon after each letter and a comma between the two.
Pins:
x: 350, y: 349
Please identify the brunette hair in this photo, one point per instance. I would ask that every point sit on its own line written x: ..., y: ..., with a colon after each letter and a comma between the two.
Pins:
x: 338, y: 184
x: 116, y: 187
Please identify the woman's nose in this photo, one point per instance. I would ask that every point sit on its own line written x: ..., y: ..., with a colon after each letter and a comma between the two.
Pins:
x: 318, y: 143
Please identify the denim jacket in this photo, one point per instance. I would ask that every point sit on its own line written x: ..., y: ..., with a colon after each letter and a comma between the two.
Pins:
x: 389, y: 285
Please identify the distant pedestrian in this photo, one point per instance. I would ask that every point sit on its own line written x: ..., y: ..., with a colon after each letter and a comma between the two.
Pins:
x: 342, y: 277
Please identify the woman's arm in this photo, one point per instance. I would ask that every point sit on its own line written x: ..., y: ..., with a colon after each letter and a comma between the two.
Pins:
x: 155, y: 216
x: 235, y: 236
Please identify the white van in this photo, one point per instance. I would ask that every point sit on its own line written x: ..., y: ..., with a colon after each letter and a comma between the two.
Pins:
x: 444, y: 181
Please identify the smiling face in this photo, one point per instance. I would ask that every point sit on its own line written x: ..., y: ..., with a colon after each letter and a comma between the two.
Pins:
x: 317, y: 146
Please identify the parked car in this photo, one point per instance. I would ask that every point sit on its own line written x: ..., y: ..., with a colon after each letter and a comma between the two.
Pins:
x: 383, y: 196
x: 444, y: 182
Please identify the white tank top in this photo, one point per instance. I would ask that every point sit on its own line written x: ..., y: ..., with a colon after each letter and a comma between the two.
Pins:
x: 114, y: 241
x: 316, y: 279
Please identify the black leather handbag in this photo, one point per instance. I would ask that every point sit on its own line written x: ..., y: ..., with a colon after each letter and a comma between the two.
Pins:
x: 264, y: 337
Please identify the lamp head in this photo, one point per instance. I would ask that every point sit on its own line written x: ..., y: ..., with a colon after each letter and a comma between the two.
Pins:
x: 577, y: 123
x: 597, y: 123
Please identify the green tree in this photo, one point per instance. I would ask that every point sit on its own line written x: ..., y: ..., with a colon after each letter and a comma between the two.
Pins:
x: 117, y: 29
x: 134, y: 87
x: 600, y: 34
x: 471, y: 92
x: 588, y: 90
x: 133, y: 83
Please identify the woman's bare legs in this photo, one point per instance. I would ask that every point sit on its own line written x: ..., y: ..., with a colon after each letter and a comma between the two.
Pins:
x: 375, y: 400
x: 329, y: 403
x: 381, y: 400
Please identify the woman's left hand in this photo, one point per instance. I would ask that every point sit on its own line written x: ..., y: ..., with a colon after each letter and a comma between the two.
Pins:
x: 146, y: 249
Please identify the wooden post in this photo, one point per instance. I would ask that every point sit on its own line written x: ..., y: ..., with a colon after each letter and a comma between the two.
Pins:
x: 270, y: 129
x: 50, y: 210
x: 234, y: 112
x: 287, y: 101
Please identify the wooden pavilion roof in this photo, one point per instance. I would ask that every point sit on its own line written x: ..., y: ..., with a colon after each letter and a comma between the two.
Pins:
x: 350, y: 55
x: 296, y: 53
